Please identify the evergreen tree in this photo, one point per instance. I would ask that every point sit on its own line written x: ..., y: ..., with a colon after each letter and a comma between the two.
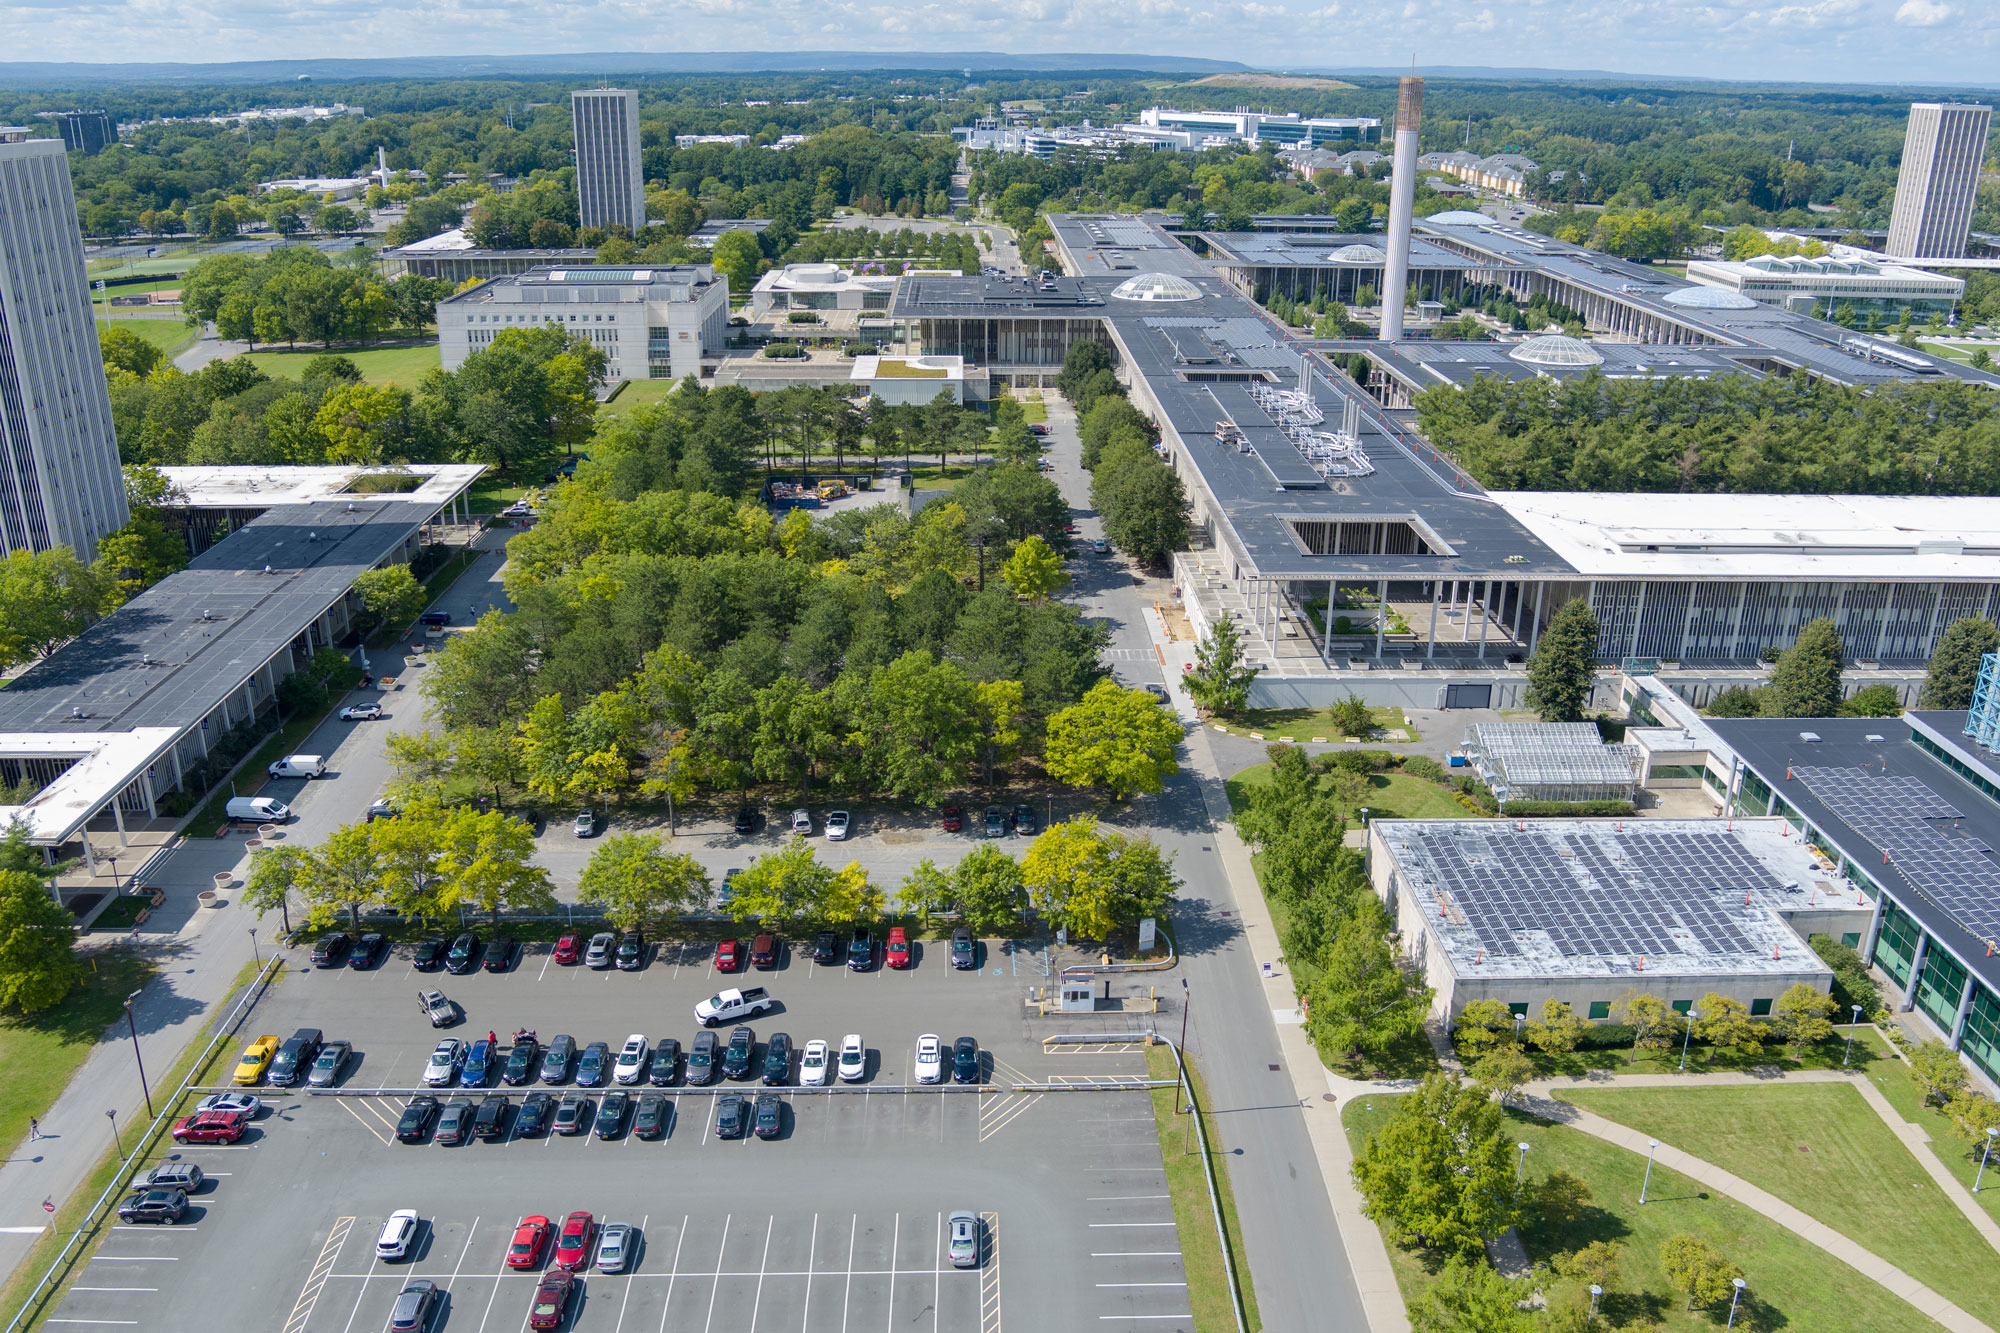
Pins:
x: 1561, y: 671
x: 1955, y: 665
x: 1807, y: 681
x: 1363, y: 1003
x: 1220, y: 681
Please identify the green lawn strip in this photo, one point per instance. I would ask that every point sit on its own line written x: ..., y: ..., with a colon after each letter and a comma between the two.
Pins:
x: 1391, y: 795
x: 171, y: 336
x: 1307, y: 724
x: 634, y: 394
x: 1959, y: 1154
x: 1034, y: 411
x: 122, y: 913
x: 1819, y: 1147
x: 1792, y: 1284
x: 41, y: 1051
x: 1201, y: 1252
x: 1706, y: 1059
x: 70, y: 1213
x: 403, y: 367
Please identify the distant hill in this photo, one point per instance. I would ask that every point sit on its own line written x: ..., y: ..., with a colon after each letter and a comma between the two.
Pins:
x: 34, y: 74
x: 1247, y: 80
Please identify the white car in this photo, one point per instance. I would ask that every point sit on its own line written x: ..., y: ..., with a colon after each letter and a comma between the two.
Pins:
x: 853, y: 1058
x: 631, y: 1066
x: 812, y: 1065
x: 398, y: 1234
x: 836, y: 826
x: 964, y: 1240
x: 361, y: 712
x: 930, y: 1059
x: 230, y: 1101
x: 615, y: 1246
x: 444, y: 1062
x: 802, y: 823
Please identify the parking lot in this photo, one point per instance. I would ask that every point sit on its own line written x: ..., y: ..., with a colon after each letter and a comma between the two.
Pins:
x: 835, y: 1224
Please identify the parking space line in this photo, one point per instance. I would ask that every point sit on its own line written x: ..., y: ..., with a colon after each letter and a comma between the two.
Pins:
x: 717, y: 1287
x: 114, y: 1288
x: 812, y: 1262
x: 1134, y: 1254
x: 937, y: 1262
x: 141, y: 1259
x: 853, y: 1229
x: 90, y: 1321
x: 1132, y: 1224
x: 681, y: 1240
x: 1117, y: 1198
x: 763, y: 1264
x: 361, y: 1120
x: 622, y: 1305
x: 895, y: 1246
x: 545, y: 964
x: 989, y: 1277
x: 1142, y: 1316
x: 153, y: 1227
x: 316, y: 1276
x: 1142, y: 1284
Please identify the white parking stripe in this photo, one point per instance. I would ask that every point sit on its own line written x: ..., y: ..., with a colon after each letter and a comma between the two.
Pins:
x: 134, y: 1259
x: 812, y: 1262
x: 674, y: 1272
x: 628, y: 1268
x: 1114, y: 1198
x: 853, y: 1229
x: 114, y: 1288
x: 895, y: 1246
x: 937, y: 1260
x: 706, y: 1323
x: 1132, y: 1224
x: 763, y: 1264
x: 1142, y: 1284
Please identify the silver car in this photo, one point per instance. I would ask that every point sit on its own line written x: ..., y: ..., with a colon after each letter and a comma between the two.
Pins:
x: 963, y: 1228
x: 614, y: 1246
x: 443, y: 1065
x: 331, y: 1064
x: 601, y: 946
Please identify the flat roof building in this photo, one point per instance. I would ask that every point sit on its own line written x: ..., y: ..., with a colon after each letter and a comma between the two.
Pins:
x: 610, y: 177
x: 1824, y: 284
x: 452, y: 256
x: 1938, y: 182
x: 1266, y: 127
x: 86, y: 132
x: 1551, y: 761
x: 652, y: 323
x: 823, y: 287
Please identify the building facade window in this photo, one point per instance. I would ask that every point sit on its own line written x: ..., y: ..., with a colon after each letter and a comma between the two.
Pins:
x: 1600, y: 1008
x: 1982, y: 1032
x: 1940, y: 988
x: 1760, y: 1008
x: 1897, y: 947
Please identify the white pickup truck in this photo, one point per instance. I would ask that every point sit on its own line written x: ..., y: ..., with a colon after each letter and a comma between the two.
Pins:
x: 732, y: 1005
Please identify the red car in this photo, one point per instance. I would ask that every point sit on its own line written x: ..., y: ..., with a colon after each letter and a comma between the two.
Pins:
x: 551, y: 1298
x: 530, y: 1239
x: 954, y: 818
x: 899, y: 947
x: 728, y: 956
x: 573, y: 1244
x: 569, y: 947
x: 764, y: 950
x: 210, y: 1127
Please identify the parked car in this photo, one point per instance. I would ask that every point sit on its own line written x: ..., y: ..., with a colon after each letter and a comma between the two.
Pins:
x: 650, y: 1120
x: 255, y: 1060
x: 569, y: 1113
x: 294, y: 1058
x: 996, y: 822
x: 611, y: 1113
x: 399, y: 1232
x: 953, y: 818
x: 729, y: 1005
x: 330, y: 1065
x: 770, y: 1117
x: 441, y: 1012
x: 598, y: 955
x: 551, y: 1300
x: 729, y: 1117
x: 965, y: 1061
x: 586, y: 823
x: 853, y: 1058
x: 429, y: 953
x: 491, y: 1120
x: 802, y: 823
x: 725, y: 892
x: 826, y: 947
x: 614, y: 1246
x: 764, y: 950
x: 736, y: 1056
x: 836, y: 826
x: 631, y: 1063
x: 964, y: 949
x: 464, y: 955
x: 1101, y: 547
x: 167, y: 1206
x: 210, y: 1127
x: 728, y: 956
x: 365, y: 951
x: 245, y: 1102
x: 441, y: 1070
x: 454, y: 1122
x: 569, y: 947
x: 414, y: 1304
x: 533, y: 1119
x: 594, y: 1065
x: 664, y: 1067
x: 361, y: 712
x: 860, y: 949
x: 701, y: 1060
x: 556, y: 1059
x: 531, y: 1237
x: 1158, y: 692
x: 479, y: 1058
x: 522, y: 1057
x: 963, y: 1228
x: 897, y: 953
x: 1025, y: 823
x: 746, y: 819
x: 812, y: 1064
x: 778, y: 1059
x: 380, y: 810
x: 183, y: 1176
x: 331, y: 949
x: 573, y: 1240
x: 416, y: 1121
x: 501, y: 952
x: 930, y: 1059
x: 631, y: 951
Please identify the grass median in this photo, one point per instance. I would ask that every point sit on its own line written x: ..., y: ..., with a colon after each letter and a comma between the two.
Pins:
x: 41, y: 1052
x: 1201, y: 1251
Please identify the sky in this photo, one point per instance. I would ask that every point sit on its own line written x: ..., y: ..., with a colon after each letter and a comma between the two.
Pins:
x: 1816, y: 41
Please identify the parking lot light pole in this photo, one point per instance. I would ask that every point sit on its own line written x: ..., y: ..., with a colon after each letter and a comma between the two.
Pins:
x: 1979, y: 1179
x: 134, y: 1027
x: 1740, y: 1284
x: 1691, y: 1017
x: 112, y: 1116
x: 1850, y: 1035
x: 1652, y: 1146
x: 255, y: 958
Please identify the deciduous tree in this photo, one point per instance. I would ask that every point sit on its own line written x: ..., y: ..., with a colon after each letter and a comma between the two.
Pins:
x: 1726, y: 1022
x: 1469, y: 1296
x: 1806, y: 682
x: 389, y: 596
x: 488, y: 864
x: 1118, y: 739
x: 1503, y: 1072
x: 1034, y: 571
x: 1558, y: 1029
x: 1803, y: 1016
x: 1363, y: 1003
x: 640, y: 885
x: 1937, y: 1070
x: 1954, y: 666
x: 38, y: 962
x: 1440, y: 1173
x: 989, y: 891
x: 1482, y: 1026
x: 1697, y: 1269
x: 1089, y: 882
x: 1652, y: 1020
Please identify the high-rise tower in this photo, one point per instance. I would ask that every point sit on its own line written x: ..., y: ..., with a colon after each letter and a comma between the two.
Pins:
x: 60, y: 484
x: 1402, y: 203
x: 610, y: 185
x: 1939, y: 179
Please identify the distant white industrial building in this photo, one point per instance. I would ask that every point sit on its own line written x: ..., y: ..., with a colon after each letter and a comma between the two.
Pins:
x: 723, y: 140
x: 1832, y: 280
x: 1939, y: 179
x: 1257, y: 127
x: 340, y: 187
x: 452, y: 255
x: 652, y: 323
x: 821, y: 287
x: 1178, y: 131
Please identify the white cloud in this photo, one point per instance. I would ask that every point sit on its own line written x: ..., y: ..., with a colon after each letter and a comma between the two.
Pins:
x: 1483, y: 21
x: 1815, y: 16
x: 1923, y: 13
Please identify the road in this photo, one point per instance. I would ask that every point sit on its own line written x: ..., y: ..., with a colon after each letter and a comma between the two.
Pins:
x: 1297, y: 1261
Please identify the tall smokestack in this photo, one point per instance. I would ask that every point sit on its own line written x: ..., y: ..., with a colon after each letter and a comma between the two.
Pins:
x: 1402, y: 201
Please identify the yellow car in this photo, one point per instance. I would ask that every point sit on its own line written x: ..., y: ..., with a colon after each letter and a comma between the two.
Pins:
x: 255, y: 1060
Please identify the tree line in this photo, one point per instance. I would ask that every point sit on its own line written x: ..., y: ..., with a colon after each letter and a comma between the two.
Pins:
x: 297, y: 294
x: 1142, y: 501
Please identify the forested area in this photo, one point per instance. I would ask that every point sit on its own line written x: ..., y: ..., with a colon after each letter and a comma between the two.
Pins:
x: 1731, y: 434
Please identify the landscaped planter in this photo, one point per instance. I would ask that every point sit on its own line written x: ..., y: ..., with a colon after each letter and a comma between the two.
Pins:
x: 209, y: 898
x: 222, y: 878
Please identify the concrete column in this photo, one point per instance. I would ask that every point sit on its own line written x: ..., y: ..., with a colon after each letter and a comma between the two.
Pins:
x: 1736, y: 621
x: 1964, y: 1012
x: 118, y: 818
x: 1381, y: 614
x: 146, y: 790
x: 1485, y: 615
x: 1431, y: 649
x: 1326, y: 629
x: 1535, y: 626
x: 1916, y: 971
x: 1638, y: 618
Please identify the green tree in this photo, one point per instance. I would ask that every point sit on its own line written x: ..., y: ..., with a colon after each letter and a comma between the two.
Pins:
x: 1936, y: 1068
x: 1362, y: 1004
x: 1557, y: 1031
x: 134, y: 558
x: 1726, y: 1022
x: 1034, y: 571
x: 1563, y: 668
x: 1118, y: 739
x: 46, y: 599
x: 739, y: 257
x: 344, y: 875
x: 1221, y: 677
x: 1651, y: 1019
x: 1503, y: 1072
x: 1803, y: 1016
x: 1560, y: 1199
x: 127, y: 351
x: 276, y: 873
x: 1482, y: 1026
x: 1954, y: 667
x: 790, y: 884
x: 927, y: 889
x: 390, y: 597
x: 1697, y: 1269
x: 1090, y: 882
x: 38, y: 962
x: 640, y: 885
x: 1972, y: 1114
x: 1469, y: 1296
x: 488, y: 865
x: 1353, y: 716
x: 1806, y: 682
x: 409, y: 853
x: 989, y: 891
x: 1440, y: 1173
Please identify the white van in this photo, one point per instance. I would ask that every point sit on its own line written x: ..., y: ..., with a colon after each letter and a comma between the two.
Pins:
x: 257, y: 810
x: 299, y: 766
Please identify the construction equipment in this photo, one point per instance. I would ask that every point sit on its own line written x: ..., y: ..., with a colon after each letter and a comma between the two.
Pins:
x: 832, y: 490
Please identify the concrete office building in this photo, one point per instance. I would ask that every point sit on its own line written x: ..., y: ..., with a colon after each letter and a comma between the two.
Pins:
x: 610, y: 180
x: 653, y: 323
x: 60, y: 483
x: 1830, y: 282
x: 1942, y: 153
x: 451, y: 255
x: 85, y: 132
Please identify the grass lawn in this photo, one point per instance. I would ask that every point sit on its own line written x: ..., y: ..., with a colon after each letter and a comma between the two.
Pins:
x: 400, y: 366
x: 1820, y: 1148
x: 1307, y: 724
x: 169, y: 335
x: 493, y: 493
x: 1958, y: 1153
x: 1708, y: 1059
x: 1392, y: 795
x: 635, y: 393
x: 1792, y: 1284
x: 1201, y: 1253
x: 41, y: 1051
x: 1033, y: 411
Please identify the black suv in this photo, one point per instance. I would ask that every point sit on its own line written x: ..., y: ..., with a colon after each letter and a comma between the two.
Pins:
x: 1024, y: 819
x: 631, y: 951
x: 770, y: 1115
x: 665, y: 1066
x: 430, y: 953
x: 729, y: 1117
x: 365, y: 951
x: 332, y: 949
x: 861, y: 949
x: 534, y: 1117
x: 826, y: 947
x: 701, y: 1059
x: 416, y: 1121
x: 491, y: 1120
x: 736, y: 1058
x: 555, y: 1060
x: 464, y: 955
x: 778, y: 1059
x: 595, y: 1066
x: 965, y: 1061
x: 160, y: 1205
x: 964, y: 949
x: 521, y: 1058
x: 746, y: 819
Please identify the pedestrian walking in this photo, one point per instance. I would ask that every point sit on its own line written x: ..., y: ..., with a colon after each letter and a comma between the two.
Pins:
x: 34, y: 1129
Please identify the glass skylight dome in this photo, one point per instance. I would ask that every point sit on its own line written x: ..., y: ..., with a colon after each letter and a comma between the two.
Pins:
x: 1156, y: 287
x: 1359, y: 254
x: 1556, y: 349
x: 1709, y: 298
x: 1459, y: 217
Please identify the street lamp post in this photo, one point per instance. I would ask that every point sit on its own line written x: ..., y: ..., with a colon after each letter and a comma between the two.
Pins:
x: 1520, y: 1164
x: 112, y: 1116
x: 1519, y: 1019
x: 255, y: 957
x: 1850, y: 1035
x: 134, y: 1027
x: 1691, y: 1016
x: 1988, y: 1152
x: 1595, y: 1292
x: 1652, y: 1146
x: 1740, y: 1284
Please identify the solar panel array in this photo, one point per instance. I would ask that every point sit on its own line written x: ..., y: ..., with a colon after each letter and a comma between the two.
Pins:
x: 1919, y: 830
x: 1641, y: 892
